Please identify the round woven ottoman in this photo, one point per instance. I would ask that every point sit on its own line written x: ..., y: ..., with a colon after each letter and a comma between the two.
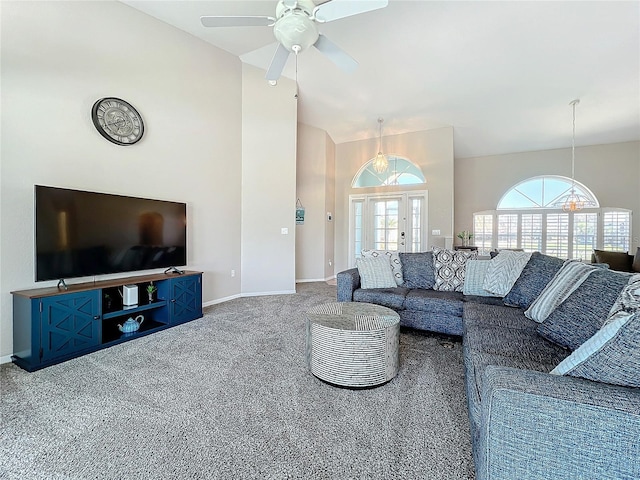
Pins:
x: 353, y: 344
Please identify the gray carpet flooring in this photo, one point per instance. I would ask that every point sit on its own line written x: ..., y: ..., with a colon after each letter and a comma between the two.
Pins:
x: 229, y: 396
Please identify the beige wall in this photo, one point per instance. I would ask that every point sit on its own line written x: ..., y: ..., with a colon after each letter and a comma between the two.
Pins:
x: 611, y: 172
x: 268, y: 183
x: 432, y: 150
x: 316, y: 191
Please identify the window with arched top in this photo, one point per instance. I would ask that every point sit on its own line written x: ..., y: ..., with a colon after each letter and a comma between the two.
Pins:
x: 529, y: 216
x: 548, y: 191
x: 401, y: 171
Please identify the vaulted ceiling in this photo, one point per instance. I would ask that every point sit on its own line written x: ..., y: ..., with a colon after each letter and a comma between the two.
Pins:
x: 501, y: 73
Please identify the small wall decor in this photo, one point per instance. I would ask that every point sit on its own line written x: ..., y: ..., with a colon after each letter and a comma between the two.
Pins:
x: 117, y: 121
x: 299, y: 213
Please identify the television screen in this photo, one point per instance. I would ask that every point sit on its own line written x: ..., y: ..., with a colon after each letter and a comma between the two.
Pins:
x: 85, y: 233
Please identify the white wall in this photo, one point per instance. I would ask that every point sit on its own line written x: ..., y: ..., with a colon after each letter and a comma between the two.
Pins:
x: 58, y: 58
x: 316, y: 191
x: 611, y: 172
x: 269, y: 116
x: 432, y: 150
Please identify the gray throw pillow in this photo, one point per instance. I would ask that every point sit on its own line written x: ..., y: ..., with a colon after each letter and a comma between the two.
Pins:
x: 581, y: 315
x: 375, y: 272
x: 417, y: 270
x: 536, y: 274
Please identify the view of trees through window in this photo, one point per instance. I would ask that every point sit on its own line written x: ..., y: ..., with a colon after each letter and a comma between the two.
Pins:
x: 529, y: 216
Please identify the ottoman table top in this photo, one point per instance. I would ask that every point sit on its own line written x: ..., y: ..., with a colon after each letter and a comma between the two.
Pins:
x: 353, y: 316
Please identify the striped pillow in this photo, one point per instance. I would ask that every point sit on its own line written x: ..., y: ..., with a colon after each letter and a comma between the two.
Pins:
x: 375, y: 272
x: 474, y: 274
x: 394, y: 260
x: 612, y: 355
x: 571, y: 275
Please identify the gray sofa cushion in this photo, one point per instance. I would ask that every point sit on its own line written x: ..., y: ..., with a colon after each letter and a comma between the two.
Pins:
x: 446, y: 303
x: 536, y: 274
x: 387, y: 297
x: 581, y: 315
x: 478, y: 315
x: 417, y: 270
x: 431, y: 321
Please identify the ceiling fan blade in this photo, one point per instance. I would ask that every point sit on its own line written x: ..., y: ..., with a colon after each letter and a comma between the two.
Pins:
x: 216, y: 21
x: 336, y: 54
x: 277, y: 63
x: 336, y: 9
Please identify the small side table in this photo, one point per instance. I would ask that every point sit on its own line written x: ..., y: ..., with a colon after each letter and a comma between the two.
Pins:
x: 470, y: 248
x: 353, y: 344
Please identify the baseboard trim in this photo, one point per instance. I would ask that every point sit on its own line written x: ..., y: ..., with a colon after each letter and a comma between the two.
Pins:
x: 311, y: 280
x: 5, y: 359
x: 261, y: 294
x: 220, y: 300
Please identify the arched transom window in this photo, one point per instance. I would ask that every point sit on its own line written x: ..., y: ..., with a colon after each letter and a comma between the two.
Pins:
x: 401, y: 171
x: 545, y: 192
x: 529, y: 216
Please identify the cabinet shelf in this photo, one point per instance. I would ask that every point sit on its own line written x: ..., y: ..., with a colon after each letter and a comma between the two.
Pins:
x: 133, y: 310
x: 112, y: 335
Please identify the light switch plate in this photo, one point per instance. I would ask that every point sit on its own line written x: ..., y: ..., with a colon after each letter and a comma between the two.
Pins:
x: 435, y: 232
x: 284, y: 231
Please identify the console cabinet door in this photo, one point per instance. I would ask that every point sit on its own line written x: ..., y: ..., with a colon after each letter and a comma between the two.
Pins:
x: 186, y: 298
x: 70, y: 323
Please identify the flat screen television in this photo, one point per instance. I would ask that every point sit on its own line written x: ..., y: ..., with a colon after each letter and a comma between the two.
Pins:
x: 79, y: 234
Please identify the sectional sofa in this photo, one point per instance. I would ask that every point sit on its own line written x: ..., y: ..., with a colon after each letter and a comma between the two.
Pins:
x: 552, y: 374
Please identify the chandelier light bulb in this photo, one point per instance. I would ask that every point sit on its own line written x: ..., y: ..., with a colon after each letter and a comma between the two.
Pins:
x: 380, y: 163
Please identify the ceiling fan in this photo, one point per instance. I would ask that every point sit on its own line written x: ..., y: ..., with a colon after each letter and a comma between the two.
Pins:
x: 295, y: 26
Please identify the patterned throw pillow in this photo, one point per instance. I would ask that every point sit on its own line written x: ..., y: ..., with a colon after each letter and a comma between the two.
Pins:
x: 375, y: 272
x: 394, y: 260
x: 572, y: 274
x: 504, y: 270
x: 612, y: 355
x: 584, y: 312
x: 417, y: 270
x: 449, y: 268
x: 474, y: 274
x: 536, y: 274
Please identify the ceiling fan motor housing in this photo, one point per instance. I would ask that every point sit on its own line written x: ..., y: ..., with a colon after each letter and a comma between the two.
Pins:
x: 295, y: 26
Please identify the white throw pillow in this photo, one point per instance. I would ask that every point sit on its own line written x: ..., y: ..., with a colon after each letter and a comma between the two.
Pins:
x: 375, y: 272
x: 504, y: 270
x: 394, y: 260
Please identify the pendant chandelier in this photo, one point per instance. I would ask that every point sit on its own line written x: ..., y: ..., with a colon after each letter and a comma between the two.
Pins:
x: 380, y: 163
x: 573, y: 202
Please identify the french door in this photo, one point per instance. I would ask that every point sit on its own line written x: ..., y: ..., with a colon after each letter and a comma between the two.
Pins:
x: 387, y: 222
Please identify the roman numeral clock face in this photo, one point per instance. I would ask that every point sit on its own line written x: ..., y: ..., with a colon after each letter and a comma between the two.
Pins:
x: 117, y: 121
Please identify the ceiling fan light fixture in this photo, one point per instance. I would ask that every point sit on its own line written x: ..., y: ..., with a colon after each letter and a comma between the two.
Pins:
x: 296, y: 29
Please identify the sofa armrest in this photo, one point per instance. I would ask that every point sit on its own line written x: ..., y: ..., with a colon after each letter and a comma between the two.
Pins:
x: 348, y: 282
x: 540, y: 426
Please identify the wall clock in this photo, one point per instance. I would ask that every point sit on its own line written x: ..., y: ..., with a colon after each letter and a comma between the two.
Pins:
x: 117, y: 121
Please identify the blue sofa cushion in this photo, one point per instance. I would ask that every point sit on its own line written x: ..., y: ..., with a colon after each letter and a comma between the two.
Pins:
x: 431, y: 321
x: 535, y: 275
x: 582, y: 314
x: 478, y: 315
x: 446, y: 303
x: 387, y: 297
x: 417, y: 270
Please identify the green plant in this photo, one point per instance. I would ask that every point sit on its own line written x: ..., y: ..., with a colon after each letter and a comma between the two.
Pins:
x: 465, y: 234
x: 151, y: 288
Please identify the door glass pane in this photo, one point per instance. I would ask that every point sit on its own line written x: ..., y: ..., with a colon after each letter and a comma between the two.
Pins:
x: 585, y: 235
x: 416, y: 225
x: 531, y: 240
x: 385, y: 224
x: 558, y: 235
x: 508, y: 231
x: 357, y: 228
